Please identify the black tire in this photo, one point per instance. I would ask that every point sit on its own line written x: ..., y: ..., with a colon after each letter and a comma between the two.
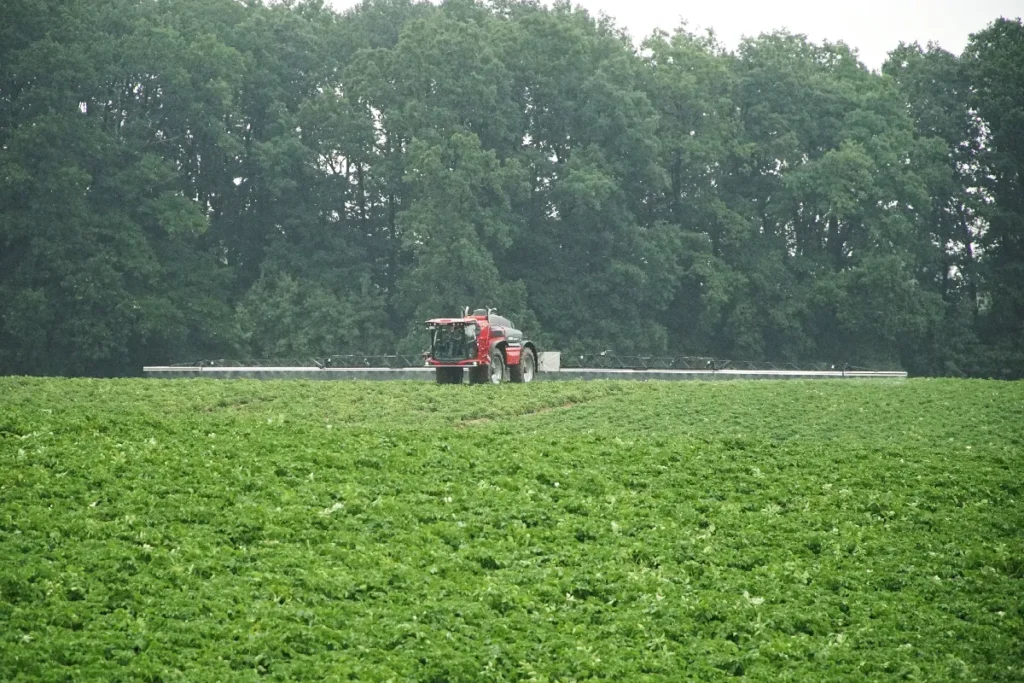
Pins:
x: 497, y: 369
x: 527, y: 368
x: 479, y: 374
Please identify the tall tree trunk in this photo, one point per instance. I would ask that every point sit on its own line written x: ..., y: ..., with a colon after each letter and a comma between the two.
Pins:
x: 835, y: 242
x: 677, y: 209
x: 362, y: 198
x: 968, y: 265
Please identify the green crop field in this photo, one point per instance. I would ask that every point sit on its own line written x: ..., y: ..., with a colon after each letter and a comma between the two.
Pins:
x: 237, y: 530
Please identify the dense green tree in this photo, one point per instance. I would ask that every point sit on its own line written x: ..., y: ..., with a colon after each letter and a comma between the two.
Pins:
x: 598, y: 271
x: 284, y: 318
x: 210, y: 178
x: 936, y: 86
x: 457, y: 224
x: 692, y: 82
x: 96, y: 221
x: 995, y: 64
x: 836, y: 175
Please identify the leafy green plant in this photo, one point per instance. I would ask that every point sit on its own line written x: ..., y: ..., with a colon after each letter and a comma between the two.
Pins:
x: 203, y: 530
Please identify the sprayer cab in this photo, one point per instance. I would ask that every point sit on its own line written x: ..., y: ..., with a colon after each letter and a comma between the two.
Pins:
x: 483, y: 343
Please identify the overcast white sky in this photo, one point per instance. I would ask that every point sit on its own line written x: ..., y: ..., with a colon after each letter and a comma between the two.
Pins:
x: 873, y: 27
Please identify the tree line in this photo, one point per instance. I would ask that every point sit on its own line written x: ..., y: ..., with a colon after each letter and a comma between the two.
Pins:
x: 185, y: 179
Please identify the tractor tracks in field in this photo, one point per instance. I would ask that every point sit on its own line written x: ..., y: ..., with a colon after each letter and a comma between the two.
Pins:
x: 510, y: 416
x: 541, y: 410
x: 555, y: 407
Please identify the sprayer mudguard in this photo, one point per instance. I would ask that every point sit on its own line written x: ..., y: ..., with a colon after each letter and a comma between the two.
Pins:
x: 512, y: 354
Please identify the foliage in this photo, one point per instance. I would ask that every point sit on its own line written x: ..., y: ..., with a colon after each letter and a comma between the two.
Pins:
x: 281, y: 317
x: 183, y: 178
x: 202, y: 530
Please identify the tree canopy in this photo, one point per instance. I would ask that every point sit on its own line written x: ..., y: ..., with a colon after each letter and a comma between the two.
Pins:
x: 185, y: 179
